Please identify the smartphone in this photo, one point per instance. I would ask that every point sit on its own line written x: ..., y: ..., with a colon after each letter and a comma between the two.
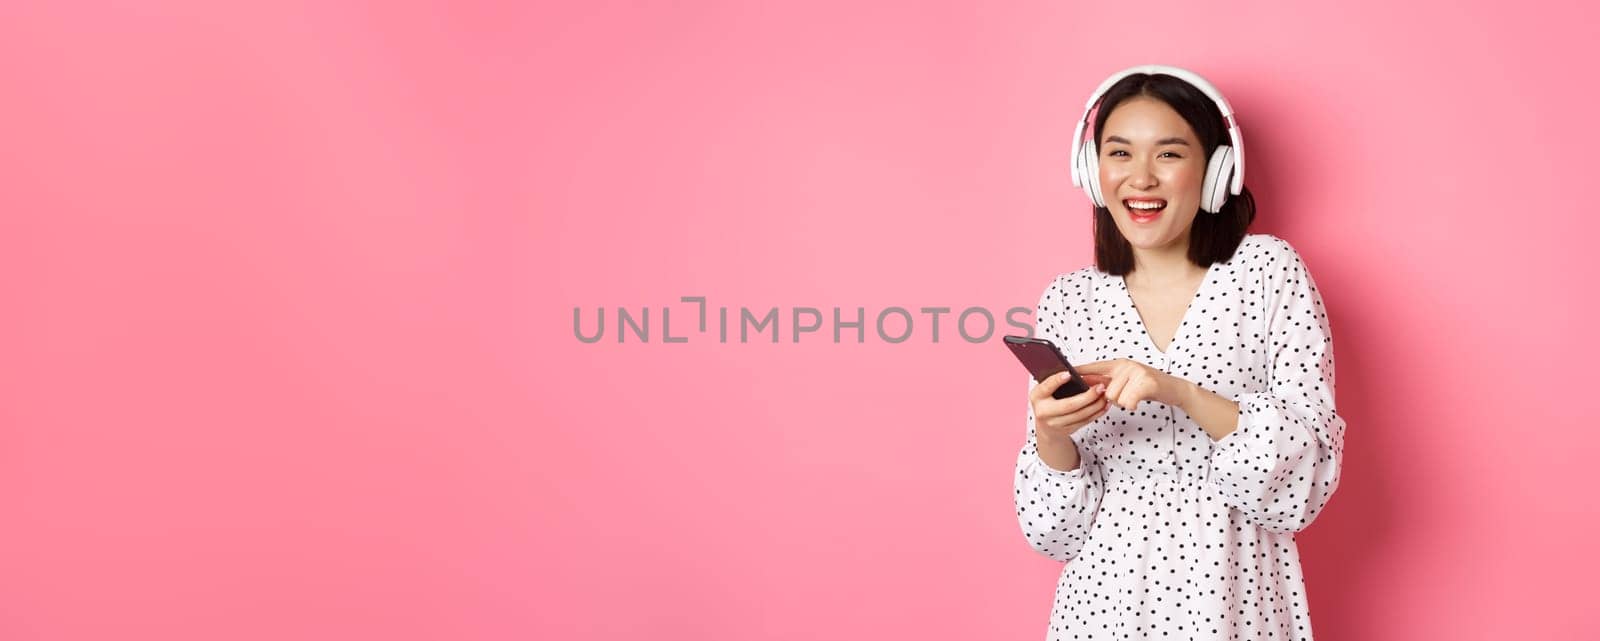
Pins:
x: 1043, y: 360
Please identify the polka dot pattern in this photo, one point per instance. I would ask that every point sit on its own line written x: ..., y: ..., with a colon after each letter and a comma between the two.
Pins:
x: 1168, y: 534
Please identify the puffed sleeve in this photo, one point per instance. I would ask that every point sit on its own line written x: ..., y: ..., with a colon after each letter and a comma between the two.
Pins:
x: 1054, y: 507
x: 1280, y: 465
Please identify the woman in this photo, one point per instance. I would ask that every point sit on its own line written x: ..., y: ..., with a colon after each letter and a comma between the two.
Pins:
x: 1209, y: 437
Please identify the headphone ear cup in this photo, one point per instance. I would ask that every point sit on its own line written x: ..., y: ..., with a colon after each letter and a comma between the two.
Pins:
x: 1219, y: 174
x: 1089, y: 165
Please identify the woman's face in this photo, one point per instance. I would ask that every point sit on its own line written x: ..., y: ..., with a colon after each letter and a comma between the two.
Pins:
x: 1149, y: 155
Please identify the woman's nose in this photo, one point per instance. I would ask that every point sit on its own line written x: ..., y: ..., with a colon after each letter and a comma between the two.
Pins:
x: 1141, y: 177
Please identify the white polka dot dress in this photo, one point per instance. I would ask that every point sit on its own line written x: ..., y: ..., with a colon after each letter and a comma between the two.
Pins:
x: 1166, y: 533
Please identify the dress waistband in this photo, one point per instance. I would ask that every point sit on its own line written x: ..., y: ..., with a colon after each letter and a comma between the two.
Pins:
x: 1167, y: 476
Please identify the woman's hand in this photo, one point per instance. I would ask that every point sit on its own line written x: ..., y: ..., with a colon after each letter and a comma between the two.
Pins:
x: 1131, y: 381
x: 1056, y: 419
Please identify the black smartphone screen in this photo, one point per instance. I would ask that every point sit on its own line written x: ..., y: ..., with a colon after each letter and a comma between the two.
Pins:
x: 1043, y: 360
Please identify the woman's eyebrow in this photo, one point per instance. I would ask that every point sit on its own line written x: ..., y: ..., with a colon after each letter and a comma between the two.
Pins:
x: 1163, y: 141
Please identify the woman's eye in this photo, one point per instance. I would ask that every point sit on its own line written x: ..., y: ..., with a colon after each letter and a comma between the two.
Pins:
x: 1121, y: 152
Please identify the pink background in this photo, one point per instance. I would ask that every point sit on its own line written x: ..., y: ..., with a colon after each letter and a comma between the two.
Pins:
x: 288, y: 287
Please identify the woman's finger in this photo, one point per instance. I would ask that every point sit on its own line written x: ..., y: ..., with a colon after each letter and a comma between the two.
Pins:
x: 1094, y: 379
x: 1077, y: 420
x: 1073, y: 403
x: 1043, y: 389
x: 1114, y: 390
x: 1129, y: 398
x: 1083, y: 415
x: 1097, y: 367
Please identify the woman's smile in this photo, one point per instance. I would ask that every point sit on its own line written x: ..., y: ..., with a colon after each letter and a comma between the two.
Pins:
x: 1144, y: 210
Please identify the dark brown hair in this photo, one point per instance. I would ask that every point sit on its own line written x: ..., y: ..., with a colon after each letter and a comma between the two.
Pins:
x: 1212, y: 237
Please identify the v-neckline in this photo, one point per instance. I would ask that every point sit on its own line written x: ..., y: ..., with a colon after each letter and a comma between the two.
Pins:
x: 1183, y: 322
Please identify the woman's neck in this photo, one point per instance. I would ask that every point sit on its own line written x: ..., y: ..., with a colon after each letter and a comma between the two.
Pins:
x: 1159, y: 268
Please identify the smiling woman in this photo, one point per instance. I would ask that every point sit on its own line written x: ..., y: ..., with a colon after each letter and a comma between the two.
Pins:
x: 1167, y: 138
x: 1175, y: 485
x: 1151, y: 168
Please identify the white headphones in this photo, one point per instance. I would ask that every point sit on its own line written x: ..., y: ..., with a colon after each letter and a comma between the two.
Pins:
x: 1226, y: 164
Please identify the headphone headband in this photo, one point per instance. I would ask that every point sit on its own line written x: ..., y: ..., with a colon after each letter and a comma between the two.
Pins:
x: 1237, y: 138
